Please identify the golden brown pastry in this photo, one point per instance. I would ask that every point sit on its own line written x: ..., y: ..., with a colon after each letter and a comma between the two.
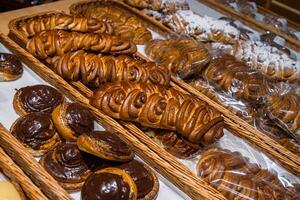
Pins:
x: 72, y: 120
x: 36, y: 98
x: 58, y: 42
x: 105, y: 145
x: 182, y: 56
x: 285, y: 111
x: 11, y: 191
x: 236, y: 78
x: 236, y: 178
x: 67, y: 165
x: 63, y: 21
x: 109, y: 184
x: 144, y: 178
x: 291, y: 145
x: 94, y: 70
x: 124, y: 24
x: 156, y: 107
x: 36, y: 132
x: 10, y: 67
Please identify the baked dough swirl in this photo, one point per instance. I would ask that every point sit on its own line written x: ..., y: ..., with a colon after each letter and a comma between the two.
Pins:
x: 59, y: 42
x: 93, y: 70
x: 156, y: 107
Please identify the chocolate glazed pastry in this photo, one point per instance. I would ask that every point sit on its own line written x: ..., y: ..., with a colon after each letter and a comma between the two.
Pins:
x: 67, y: 165
x: 10, y: 67
x: 72, y: 120
x: 36, y: 132
x: 109, y: 184
x: 36, y: 98
x: 105, y: 145
x: 156, y: 107
x: 63, y: 21
x: 59, y: 42
x: 144, y: 178
x: 94, y: 70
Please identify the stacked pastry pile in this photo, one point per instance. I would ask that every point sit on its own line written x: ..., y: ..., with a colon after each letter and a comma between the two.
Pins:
x: 76, y: 155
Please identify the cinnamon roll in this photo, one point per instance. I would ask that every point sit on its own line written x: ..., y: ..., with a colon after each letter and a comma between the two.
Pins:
x: 109, y: 184
x: 36, y: 98
x: 144, y: 178
x: 10, y: 67
x: 67, y: 164
x: 105, y: 145
x: 36, y: 132
x: 72, y: 120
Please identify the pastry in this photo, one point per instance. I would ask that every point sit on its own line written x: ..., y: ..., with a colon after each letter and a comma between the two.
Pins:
x: 291, y: 144
x: 72, y: 120
x: 54, y: 21
x: 36, y: 132
x: 94, y: 70
x: 182, y: 56
x: 124, y: 24
x: 156, y: 107
x: 236, y: 178
x: 105, y: 145
x: 10, y: 67
x: 236, y: 78
x: 285, y: 111
x: 144, y: 178
x: 109, y: 184
x: 58, y: 42
x: 36, y: 98
x: 67, y: 165
x: 11, y: 191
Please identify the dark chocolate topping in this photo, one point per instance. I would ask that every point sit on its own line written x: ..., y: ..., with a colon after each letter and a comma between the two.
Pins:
x: 114, y: 143
x: 141, y: 176
x: 105, y: 186
x: 10, y: 64
x: 34, y: 129
x: 79, y: 118
x: 268, y: 38
x: 40, y: 98
x: 66, y: 163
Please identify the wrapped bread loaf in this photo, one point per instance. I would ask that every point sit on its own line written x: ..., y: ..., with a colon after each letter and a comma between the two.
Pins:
x: 93, y: 70
x: 59, y: 42
x: 156, y: 107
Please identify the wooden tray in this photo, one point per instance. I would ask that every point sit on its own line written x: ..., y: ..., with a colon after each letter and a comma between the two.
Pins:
x: 163, y: 162
x: 253, y: 23
x: 239, y: 127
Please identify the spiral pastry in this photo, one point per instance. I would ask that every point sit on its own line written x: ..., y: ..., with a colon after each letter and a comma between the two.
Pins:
x: 63, y: 21
x: 154, y: 106
x: 36, y: 98
x: 124, y: 24
x: 94, y: 70
x: 237, y: 79
x: 59, y: 42
x: 10, y: 67
x: 67, y: 165
x: 285, y: 111
x: 182, y: 56
x: 236, y: 178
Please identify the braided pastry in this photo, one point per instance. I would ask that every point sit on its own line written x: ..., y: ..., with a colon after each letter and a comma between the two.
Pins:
x: 94, y: 69
x: 124, y: 24
x: 63, y: 21
x: 155, y: 107
x: 236, y: 178
x: 59, y: 42
x: 236, y: 78
x: 182, y: 56
x: 285, y: 111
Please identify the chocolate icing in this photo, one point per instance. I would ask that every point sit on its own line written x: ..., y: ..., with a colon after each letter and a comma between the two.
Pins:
x: 268, y: 38
x: 141, y: 176
x: 79, y: 118
x: 105, y: 186
x: 10, y: 64
x: 114, y: 143
x: 34, y: 129
x: 40, y: 98
x: 66, y: 163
